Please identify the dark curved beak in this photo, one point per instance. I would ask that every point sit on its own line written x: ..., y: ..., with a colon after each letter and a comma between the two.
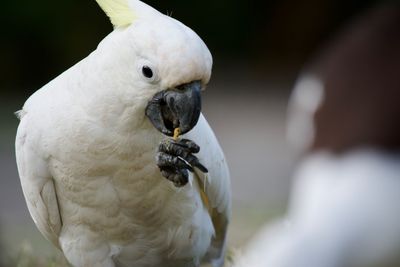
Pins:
x: 176, y: 107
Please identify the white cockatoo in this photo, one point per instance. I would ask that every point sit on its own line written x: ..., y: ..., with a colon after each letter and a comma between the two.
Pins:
x: 93, y: 150
x: 344, y: 209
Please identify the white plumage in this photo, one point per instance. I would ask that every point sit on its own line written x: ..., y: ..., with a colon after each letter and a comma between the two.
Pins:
x: 86, y: 155
x: 344, y: 212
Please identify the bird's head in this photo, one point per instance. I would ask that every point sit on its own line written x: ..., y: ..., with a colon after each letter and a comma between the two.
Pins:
x: 168, y: 64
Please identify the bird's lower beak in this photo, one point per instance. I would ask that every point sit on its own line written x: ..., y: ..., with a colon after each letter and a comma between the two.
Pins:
x: 176, y: 107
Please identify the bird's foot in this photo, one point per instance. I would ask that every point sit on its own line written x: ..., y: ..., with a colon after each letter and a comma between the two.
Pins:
x: 175, y: 158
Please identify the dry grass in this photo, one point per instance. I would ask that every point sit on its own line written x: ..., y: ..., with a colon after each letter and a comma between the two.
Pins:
x: 26, y: 257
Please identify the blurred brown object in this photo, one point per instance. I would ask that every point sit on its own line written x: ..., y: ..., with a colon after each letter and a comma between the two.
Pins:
x: 360, y: 73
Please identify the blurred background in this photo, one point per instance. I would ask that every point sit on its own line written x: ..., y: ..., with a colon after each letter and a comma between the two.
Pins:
x: 259, y: 48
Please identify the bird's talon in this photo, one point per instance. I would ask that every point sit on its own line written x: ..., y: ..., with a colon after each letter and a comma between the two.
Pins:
x: 175, y: 158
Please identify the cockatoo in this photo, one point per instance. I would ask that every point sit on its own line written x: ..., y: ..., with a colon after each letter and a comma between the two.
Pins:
x: 344, y: 209
x: 93, y: 150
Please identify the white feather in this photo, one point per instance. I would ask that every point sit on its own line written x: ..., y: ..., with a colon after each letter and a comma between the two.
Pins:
x: 344, y: 212
x: 307, y: 97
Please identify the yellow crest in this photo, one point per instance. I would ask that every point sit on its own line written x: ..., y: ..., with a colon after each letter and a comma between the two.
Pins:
x: 119, y: 12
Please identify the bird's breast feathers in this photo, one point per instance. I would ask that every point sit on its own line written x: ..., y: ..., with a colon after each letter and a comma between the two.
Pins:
x: 111, y: 184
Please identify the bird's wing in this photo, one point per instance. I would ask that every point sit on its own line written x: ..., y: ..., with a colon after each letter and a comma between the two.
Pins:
x: 37, y: 183
x: 215, y: 185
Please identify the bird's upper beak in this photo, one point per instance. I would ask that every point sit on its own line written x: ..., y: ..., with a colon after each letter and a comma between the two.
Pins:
x: 176, y: 107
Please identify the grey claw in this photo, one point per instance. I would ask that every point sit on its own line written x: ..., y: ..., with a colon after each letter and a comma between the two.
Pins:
x: 192, y: 146
x: 201, y: 167
x: 167, y: 160
x: 178, y: 177
x: 186, y: 164
x: 175, y: 159
x: 194, y: 161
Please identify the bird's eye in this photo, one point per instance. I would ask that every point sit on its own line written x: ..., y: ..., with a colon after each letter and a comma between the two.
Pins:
x: 147, y: 72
